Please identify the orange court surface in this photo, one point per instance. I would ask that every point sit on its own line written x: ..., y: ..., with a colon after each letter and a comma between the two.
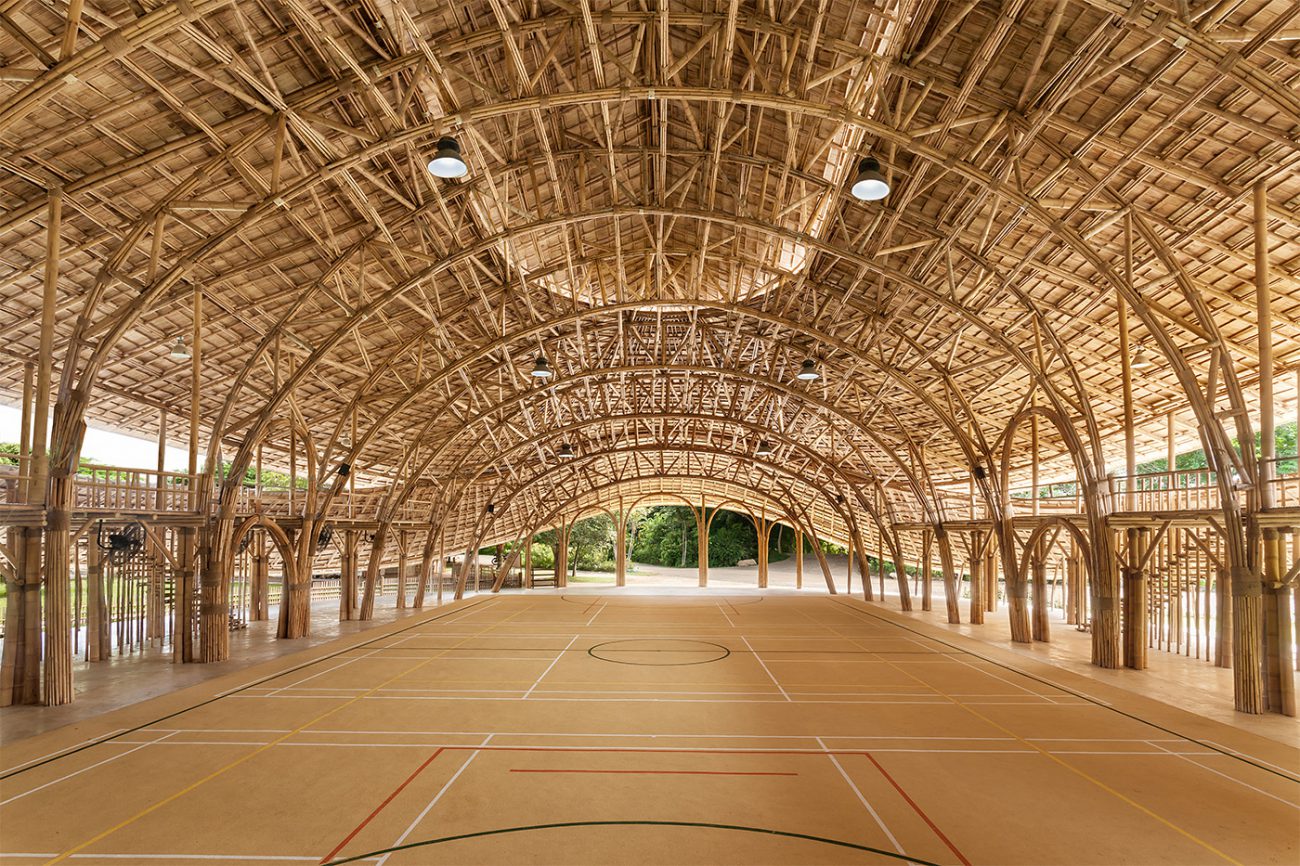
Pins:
x: 597, y: 728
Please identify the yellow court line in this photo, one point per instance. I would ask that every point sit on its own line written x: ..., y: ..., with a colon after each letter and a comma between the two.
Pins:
x: 259, y: 750
x: 1073, y: 769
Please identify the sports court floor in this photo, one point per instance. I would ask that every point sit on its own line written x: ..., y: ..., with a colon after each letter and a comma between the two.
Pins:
x: 606, y: 728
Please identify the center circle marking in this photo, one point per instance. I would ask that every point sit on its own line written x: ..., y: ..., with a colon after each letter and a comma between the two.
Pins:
x: 659, y: 652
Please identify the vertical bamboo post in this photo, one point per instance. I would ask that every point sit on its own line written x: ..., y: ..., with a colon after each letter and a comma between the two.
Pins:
x: 347, y: 574
x: 976, y: 578
x: 1135, y: 602
x: 372, y: 570
x: 702, y: 547
x: 927, y: 563
x: 528, y: 562
x: 57, y: 499
x: 620, y: 547
x: 1126, y: 373
x: 187, y: 578
x: 798, y: 559
x: 12, y: 661
x: 866, y: 578
x: 403, y: 546
x: 561, y: 554
x: 1040, y: 624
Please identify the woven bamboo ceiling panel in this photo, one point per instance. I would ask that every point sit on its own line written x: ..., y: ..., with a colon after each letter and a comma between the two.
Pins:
x: 657, y: 201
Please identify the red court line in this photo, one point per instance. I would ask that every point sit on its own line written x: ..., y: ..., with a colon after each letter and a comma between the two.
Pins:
x: 409, y: 779
x: 917, y: 809
x: 659, y: 772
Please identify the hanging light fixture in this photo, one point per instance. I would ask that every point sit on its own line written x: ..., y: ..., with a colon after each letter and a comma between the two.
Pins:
x: 447, y: 162
x: 808, y: 371
x: 180, y: 350
x: 764, y: 448
x: 541, y: 368
x: 1141, y: 360
x: 565, y: 452
x: 870, y: 184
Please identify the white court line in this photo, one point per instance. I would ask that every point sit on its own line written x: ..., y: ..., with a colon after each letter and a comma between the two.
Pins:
x: 342, y: 664
x: 1234, y: 753
x: 425, y: 811
x: 82, y: 770
x: 598, y: 612
x: 1184, y: 755
x: 64, y: 750
x: 698, y: 736
x: 938, y: 700
x: 359, y: 645
x: 538, y: 681
x: 774, y: 680
x: 863, y: 800
x: 724, y: 615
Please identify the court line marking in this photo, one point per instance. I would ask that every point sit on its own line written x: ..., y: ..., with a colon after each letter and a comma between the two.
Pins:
x: 1184, y: 756
x: 58, y: 753
x: 924, y: 817
x: 775, y: 681
x: 436, y: 797
x: 63, y: 778
x: 554, y: 661
x: 655, y: 772
x: 90, y: 744
x: 766, y: 831
x: 235, y: 763
x: 1258, y: 763
x: 357, y: 829
x: 863, y: 800
x: 1100, y: 784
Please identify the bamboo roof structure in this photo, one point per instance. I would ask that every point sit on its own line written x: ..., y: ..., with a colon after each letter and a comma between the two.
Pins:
x: 657, y: 202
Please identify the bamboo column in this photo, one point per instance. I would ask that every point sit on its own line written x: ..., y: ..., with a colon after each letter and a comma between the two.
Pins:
x: 927, y: 564
x: 13, y: 662
x: 1126, y: 373
x: 528, y: 563
x: 702, y: 523
x: 347, y: 577
x: 426, y: 569
x: 372, y: 571
x: 58, y: 499
x: 259, y: 598
x: 403, y: 546
x: 798, y: 559
x: 562, y: 555
x: 951, y: 586
x: 866, y: 578
x: 183, y: 649
x: 1135, y: 621
x: 1278, y: 662
x: 1040, y: 625
x: 620, y: 548
x: 976, y: 578
x: 763, y: 527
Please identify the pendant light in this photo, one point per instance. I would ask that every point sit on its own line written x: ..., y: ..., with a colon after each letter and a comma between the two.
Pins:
x: 180, y: 351
x: 541, y: 368
x: 447, y: 162
x: 1141, y: 360
x: 565, y: 452
x: 764, y: 448
x: 870, y: 184
x: 808, y: 371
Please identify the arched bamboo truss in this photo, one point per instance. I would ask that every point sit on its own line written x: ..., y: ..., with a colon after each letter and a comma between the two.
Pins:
x: 657, y: 202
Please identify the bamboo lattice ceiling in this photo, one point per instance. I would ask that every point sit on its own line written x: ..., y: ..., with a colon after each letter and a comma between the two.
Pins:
x: 657, y: 201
